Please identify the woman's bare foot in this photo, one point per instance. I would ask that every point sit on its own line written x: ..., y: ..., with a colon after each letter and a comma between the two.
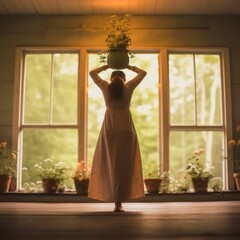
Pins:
x: 118, y: 207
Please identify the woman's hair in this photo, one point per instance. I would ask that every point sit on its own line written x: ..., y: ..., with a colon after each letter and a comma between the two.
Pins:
x: 116, y: 87
x: 118, y: 73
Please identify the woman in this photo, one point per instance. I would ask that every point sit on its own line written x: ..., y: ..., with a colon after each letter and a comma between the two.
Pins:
x: 116, y: 170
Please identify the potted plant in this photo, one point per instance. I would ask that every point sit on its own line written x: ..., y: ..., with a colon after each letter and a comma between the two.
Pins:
x: 118, y: 41
x: 81, y: 178
x: 168, y: 184
x: 52, y: 174
x: 183, y: 185
x: 216, y: 184
x: 200, y: 174
x: 8, y: 166
x: 235, y: 156
x: 152, y: 180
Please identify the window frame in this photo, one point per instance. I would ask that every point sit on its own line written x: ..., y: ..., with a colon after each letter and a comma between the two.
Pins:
x: 18, y: 110
x: 164, y: 123
x: 225, y: 127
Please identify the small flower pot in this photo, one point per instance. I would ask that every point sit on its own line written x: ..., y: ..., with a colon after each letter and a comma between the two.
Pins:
x: 118, y: 59
x: 81, y: 186
x: 5, y: 182
x: 237, y: 180
x: 50, y: 186
x: 13, y: 185
x: 152, y: 185
x: 200, y: 185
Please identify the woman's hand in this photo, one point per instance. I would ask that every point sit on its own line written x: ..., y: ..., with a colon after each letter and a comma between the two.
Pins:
x: 94, y: 73
x: 130, y: 67
x: 105, y: 67
x: 139, y: 71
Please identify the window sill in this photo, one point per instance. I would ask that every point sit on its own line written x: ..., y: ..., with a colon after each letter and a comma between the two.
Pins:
x: 72, y: 197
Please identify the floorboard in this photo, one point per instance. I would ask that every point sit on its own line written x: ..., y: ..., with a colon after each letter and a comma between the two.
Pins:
x: 142, y: 220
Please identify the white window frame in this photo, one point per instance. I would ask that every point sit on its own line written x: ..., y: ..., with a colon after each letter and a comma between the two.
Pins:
x: 164, y: 127
x: 18, y: 101
x: 226, y: 126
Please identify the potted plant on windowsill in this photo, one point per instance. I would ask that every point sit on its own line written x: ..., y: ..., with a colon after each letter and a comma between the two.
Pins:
x: 8, y: 166
x: 200, y: 174
x: 234, y: 153
x: 118, y: 41
x: 168, y: 183
x: 52, y: 174
x: 216, y: 184
x: 81, y: 178
x: 152, y: 179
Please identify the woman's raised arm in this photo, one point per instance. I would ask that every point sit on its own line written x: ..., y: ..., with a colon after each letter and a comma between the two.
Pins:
x: 140, y: 76
x: 95, y: 73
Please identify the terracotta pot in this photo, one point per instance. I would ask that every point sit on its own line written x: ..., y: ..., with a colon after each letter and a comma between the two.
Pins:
x: 237, y: 180
x: 152, y: 184
x: 200, y: 184
x: 13, y: 185
x: 50, y: 185
x: 81, y: 186
x: 118, y: 59
x: 5, y: 181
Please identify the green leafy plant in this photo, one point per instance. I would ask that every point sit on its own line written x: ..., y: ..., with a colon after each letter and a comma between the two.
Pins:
x: 169, y: 184
x: 196, y: 167
x: 152, y: 171
x: 32, y: 186
x: 118, y: 36
x: 8, y: 160
x: 48, y: 169
x: 166, y: 182
x: 103, y: 56
x: 184, y: 184
x: 216, y: 184
x: 118, y: 32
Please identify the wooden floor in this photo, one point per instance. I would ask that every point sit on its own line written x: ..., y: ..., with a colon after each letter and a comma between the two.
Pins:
x: 165, y: 220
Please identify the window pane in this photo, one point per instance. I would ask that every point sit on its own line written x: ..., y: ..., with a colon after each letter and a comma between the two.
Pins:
x: 96, y: 107
x: 65, y: 78
x: 40, y: 144
x: 144, y: 107
x: 209, y: 99
x: 195, y: 79
x: 37, y: 88
x: 184, y: 143
x: 51, y: 88
x: 181, y: 89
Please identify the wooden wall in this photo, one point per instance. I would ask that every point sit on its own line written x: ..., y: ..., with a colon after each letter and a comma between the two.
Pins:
x: 88, y: 31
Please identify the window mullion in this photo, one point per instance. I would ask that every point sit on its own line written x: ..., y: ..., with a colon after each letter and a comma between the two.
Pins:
x: 195, y: 92
x: 51, y: 91
x: 164, y: 113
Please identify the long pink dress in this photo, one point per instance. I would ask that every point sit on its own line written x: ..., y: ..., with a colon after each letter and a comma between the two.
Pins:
x: 116, y: 174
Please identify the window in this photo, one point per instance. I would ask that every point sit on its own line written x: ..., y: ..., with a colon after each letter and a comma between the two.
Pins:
x: 60, y: 109
x: 144, y: 107
x: 196, y: 116
x: 49, y: 110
